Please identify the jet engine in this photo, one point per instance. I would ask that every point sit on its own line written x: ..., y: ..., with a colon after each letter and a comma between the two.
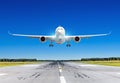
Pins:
x: 77, y: 39
x: 42, y: 39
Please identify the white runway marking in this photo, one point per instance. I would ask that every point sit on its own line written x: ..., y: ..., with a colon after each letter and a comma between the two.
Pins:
x: 88, y: 65
x: 62, y: 78
x: 118, y: 73
x: 2, y: 74
x: 60, y: 70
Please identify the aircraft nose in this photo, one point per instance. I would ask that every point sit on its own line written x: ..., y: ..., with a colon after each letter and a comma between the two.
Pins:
x: 60, y: 31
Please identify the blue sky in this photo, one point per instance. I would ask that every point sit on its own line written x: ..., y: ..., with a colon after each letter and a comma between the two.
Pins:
x: 43, y: 16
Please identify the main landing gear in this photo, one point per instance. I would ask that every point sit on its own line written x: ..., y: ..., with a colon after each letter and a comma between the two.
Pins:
x: 68, y: 45
x: 51, y: 45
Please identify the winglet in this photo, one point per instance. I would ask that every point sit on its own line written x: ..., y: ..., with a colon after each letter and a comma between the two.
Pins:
x: 109, y: 32
x: 9, y: 33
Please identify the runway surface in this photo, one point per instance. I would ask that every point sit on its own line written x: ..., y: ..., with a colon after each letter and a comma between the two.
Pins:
x: 60, y: 72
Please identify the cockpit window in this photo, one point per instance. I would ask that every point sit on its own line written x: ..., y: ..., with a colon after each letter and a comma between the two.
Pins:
x: 60, y: 28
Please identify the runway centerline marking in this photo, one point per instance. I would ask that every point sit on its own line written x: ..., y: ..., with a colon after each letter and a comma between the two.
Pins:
x: 60, y: 70
x: 62, y: 78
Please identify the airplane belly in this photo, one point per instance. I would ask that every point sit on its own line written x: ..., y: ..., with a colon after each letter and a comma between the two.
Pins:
x: 60, y: 37
x: 60, y: 40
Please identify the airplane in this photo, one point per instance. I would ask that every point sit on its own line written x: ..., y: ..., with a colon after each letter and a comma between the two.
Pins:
x: 59, y: 37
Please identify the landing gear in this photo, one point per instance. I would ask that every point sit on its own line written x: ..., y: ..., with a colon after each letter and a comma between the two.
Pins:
x: 68, y: 45
x: 51, y: 45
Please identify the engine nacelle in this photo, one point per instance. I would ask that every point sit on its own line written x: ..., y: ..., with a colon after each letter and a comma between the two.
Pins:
x: 77, y: 39
x: 42, y: 39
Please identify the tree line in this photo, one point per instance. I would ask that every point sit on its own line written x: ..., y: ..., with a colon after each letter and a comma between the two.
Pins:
x: 82, y: 59
x: 100, y: 59
x: 25, y: 60
x: 17, y: 60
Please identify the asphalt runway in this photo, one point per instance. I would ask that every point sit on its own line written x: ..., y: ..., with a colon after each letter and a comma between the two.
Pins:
x: 60, y: 72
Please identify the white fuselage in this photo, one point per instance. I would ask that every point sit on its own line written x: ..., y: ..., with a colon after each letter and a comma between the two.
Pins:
x: 60, y: 35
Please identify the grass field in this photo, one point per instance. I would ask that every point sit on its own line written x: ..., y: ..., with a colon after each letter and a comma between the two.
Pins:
x: 107, y: 63
x: 4, y: 64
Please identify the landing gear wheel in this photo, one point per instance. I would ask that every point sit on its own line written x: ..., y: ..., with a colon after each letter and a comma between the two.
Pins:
x: 51, y: 45
x: 68, y: 45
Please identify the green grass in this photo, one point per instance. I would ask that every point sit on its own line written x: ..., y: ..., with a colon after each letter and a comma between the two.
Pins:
x: 4, y: 64
x: 107, y: 63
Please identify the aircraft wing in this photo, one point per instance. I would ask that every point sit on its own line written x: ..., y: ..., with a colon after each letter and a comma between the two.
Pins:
x: 87, y: 36
x: 33, y: 36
